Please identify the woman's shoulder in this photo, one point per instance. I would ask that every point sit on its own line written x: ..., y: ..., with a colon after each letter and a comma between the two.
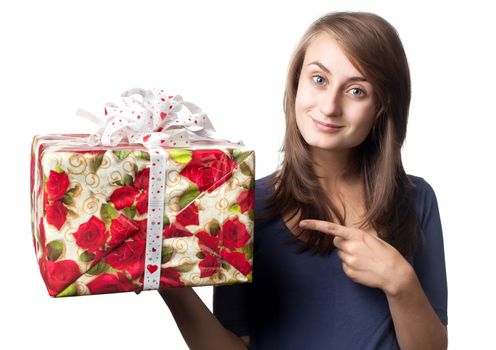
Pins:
x: 422, y: 189
x: 423, y: 196
x: 264, y: 186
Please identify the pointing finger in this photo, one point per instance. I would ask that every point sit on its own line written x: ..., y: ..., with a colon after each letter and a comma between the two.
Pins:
x: 327, y: 227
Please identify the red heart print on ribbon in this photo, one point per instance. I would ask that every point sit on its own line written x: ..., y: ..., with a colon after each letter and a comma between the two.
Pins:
x: 152, y: 268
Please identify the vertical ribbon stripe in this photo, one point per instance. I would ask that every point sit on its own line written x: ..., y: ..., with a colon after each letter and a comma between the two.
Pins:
x: 154, y: 236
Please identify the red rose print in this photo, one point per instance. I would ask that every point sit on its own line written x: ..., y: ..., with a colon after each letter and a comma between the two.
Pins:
x: 142, y: 203
x: 246, y: 199
x: 99, y: 254
x: 207, y: 167
x: 121, y: 229
x: 142, y: 179
x: 45, y: 200
x: 58, y: 275
x: 209, y: 246
x: 91, y: 235
x: 42, y: 236
x: 170, y: 278
x: 234, y: 234
x: 56, y: 214
x: 32, y: 170
x: 238, y: 260
x: 130, y: 256
x: 208, y: 243
x: 109, y: 283
x: 215, y: 248
x: 209, y: 265
x: 141, y: 234
x: 42, y: 265
x: 57, y: 185
x: 124, y: 197
x: 35, y: 245
x: 175, y: 231
x: 188, y: 216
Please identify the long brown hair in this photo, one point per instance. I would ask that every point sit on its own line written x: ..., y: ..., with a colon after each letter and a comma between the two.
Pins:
x: 374, y: 48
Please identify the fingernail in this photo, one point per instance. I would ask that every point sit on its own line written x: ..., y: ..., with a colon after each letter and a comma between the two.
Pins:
x: 303, y: 223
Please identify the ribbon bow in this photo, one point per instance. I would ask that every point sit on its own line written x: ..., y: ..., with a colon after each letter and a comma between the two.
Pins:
x: 154, y: 120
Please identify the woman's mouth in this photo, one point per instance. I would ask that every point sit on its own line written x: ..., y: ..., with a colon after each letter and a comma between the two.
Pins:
x: 327, y: 127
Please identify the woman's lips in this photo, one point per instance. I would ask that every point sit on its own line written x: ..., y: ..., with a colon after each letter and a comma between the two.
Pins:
x: 327, y: 127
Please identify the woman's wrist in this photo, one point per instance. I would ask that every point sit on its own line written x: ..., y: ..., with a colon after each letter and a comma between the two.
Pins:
x: 173, y: 293
x: 400, y: 279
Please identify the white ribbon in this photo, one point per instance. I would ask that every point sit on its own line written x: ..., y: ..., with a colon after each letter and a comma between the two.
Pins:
x: 155, y: 122
x: 154, y: 229
x: 153, y: 119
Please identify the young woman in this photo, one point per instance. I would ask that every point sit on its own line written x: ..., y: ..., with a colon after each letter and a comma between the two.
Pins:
x: 376, y: 276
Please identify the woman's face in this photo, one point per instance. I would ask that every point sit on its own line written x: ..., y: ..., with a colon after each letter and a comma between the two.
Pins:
x: 331, y: 90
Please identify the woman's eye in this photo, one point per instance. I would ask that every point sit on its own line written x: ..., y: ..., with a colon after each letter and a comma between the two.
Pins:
x: 362, y: 93
x: 319, y: 77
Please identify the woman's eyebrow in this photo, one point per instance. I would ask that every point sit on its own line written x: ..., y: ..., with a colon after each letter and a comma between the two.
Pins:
x: 324, y: 68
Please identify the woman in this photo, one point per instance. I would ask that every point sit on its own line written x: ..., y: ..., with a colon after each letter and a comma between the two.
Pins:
x: 379, y: 279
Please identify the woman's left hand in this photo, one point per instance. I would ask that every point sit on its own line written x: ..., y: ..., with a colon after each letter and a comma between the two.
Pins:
x: 366, y: 258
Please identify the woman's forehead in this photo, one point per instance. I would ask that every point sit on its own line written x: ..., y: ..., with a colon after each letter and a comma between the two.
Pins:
x: 325, y: 53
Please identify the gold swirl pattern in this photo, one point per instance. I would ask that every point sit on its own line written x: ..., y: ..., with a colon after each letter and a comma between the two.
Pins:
x: 179, y: 244
x: 91, y: 205
x: 81, y: 288
x: 220, y: 277
x: 106, y: 162
x: 186, y: 261
x: 238, y: 275
x: 195, y: 278
x: 222, y: 204
x: 173, y: 178
x: 77, y: 164
x: 115, y: 176
x: 92, y: 180
x: 233, y: 183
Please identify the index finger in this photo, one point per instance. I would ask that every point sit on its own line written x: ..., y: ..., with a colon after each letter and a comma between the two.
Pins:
x: 327, y: 227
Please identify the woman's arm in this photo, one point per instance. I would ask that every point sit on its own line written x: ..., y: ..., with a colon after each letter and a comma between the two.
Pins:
x: 198, y: 326
x: 369, y: 260
x: 414, y: 293
x: 416, y: 324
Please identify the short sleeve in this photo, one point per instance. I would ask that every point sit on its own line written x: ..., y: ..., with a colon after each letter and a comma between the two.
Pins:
x: 231, y: 307
x: 429, y: 261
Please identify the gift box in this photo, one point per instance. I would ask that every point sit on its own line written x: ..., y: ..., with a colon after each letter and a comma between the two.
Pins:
x: 150, y: 201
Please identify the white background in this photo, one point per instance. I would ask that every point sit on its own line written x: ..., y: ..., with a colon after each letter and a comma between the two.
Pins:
x: 231, y: 60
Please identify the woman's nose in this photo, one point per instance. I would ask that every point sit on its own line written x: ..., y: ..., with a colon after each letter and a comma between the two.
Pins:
x: 330, y: 103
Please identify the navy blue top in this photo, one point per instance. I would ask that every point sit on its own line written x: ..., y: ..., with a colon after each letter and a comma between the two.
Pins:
x: 300, y: 301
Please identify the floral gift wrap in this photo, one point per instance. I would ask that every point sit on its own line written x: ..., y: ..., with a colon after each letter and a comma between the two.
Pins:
x: 131, y: 208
